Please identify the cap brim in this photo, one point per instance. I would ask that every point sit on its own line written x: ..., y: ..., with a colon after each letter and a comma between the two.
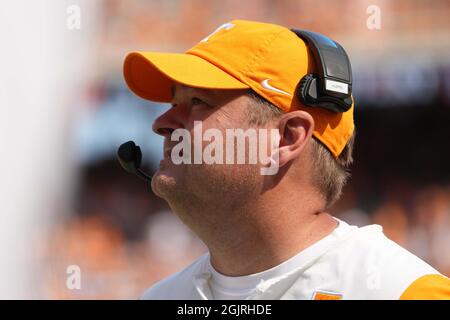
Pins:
x: 151, y: 75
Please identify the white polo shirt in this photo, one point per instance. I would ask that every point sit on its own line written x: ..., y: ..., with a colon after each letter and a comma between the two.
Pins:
x: 349, y: 263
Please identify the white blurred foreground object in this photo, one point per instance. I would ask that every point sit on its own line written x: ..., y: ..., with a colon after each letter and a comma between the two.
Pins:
x: 41, y: 69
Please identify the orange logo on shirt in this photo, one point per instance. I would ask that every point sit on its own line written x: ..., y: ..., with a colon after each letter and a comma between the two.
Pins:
x: 324, y: 295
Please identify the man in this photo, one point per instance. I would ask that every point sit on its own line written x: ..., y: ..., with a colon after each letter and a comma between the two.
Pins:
x: 269, y: 235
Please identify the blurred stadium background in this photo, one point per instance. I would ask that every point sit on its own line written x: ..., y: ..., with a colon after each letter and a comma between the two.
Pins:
x: 65, y: 110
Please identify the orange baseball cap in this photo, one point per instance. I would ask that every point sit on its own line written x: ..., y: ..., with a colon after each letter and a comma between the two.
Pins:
x: 268, y: 58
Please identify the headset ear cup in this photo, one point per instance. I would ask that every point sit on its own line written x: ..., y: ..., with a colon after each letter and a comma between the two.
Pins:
x: 347, y: 103
x: 303, y: 91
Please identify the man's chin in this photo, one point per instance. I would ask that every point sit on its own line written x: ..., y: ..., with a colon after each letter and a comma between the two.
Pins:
x: 163, y: 183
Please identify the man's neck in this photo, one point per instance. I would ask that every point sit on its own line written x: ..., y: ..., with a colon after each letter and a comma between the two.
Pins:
x: 261, y: 237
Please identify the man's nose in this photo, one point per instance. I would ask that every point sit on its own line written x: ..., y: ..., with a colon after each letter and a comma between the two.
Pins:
x: 169, y: 121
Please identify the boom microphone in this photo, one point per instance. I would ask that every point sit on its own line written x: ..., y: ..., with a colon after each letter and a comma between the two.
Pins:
x: 130, y: 156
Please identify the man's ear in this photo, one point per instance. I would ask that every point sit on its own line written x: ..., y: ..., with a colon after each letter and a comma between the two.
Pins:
x: 295, y: 129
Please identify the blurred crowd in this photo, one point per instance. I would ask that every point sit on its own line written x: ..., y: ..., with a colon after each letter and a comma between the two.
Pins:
x: 121, y: 236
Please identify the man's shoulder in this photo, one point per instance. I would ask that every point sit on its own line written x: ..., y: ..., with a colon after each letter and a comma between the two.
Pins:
x: 371, y: 247
x: 371, y: 266
x: 179, y: 285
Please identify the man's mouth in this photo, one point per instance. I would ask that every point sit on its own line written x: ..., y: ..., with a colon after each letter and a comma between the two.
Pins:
x: 168, y: 153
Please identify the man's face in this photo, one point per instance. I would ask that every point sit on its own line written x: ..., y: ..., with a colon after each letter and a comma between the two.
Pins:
x: 216, y: 109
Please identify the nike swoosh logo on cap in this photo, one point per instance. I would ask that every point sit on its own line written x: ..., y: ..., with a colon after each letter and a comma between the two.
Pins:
x: 266, y: 85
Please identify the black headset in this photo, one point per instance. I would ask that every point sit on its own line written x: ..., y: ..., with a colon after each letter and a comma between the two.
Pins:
x: 331, y: 86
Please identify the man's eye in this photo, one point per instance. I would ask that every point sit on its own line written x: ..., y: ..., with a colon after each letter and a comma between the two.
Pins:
x: 197, y: 101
